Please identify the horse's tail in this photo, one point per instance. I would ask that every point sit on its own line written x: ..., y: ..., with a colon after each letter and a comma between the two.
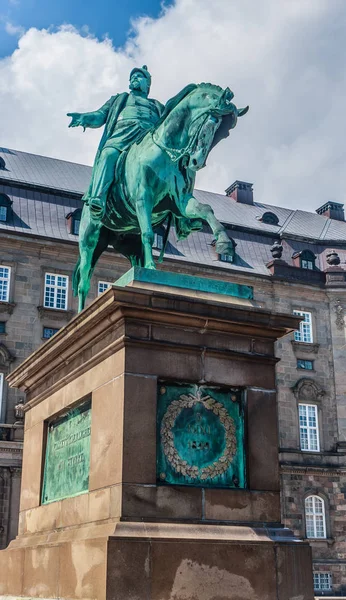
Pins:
x: 76, y: 278
x: 165, y: 238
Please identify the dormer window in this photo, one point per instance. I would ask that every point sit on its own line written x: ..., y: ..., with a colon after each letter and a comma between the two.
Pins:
x: 73, y: 220
x: 5, y: 208
x: 305, y: 260
x: 269, y: 218
x: 158, y: 241
x: 229, y: 257
x: 2, y: 164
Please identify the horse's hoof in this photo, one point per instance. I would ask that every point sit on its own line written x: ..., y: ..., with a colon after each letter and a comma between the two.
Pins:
x: 150, y: 266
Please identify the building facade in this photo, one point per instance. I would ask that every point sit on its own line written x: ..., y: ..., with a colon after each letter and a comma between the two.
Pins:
x: 296, y: 263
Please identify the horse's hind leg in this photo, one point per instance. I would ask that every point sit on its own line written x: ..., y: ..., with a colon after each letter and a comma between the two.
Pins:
x: 197, y: 210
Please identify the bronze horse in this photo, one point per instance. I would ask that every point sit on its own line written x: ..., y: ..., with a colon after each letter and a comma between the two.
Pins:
x: 154, y: 183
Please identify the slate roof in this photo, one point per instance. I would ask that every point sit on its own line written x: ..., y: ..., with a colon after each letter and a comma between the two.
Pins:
x: 44, y: 190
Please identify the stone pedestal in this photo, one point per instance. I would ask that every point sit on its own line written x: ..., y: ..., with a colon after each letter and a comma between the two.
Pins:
x: 131, y: 535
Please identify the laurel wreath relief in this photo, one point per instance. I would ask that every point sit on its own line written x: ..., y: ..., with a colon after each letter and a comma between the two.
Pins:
x: 181, y: 466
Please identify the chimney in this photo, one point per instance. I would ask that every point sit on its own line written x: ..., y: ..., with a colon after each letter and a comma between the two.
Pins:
x: 241, y: 191
x: 332, y: 210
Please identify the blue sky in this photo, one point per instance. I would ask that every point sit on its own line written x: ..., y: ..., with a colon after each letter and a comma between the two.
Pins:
x: 102, y: 17
x: 285, y: 58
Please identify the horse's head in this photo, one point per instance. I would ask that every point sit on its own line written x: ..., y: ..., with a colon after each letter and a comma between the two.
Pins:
x: 212, y: 107
x: 192, y: 118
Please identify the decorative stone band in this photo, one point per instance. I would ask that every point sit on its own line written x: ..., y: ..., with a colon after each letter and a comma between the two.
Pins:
x: 221, y: 465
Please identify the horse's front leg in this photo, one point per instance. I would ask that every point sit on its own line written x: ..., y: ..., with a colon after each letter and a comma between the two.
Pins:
x: 197, y: 210
x: 143, y: 210
x: 89, y: 250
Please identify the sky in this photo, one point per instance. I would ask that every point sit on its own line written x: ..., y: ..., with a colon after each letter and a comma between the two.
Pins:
x: 285, y: 58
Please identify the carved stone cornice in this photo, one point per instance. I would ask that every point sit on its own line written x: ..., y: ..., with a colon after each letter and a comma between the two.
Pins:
x: 7, y: 307
x: 55, y: 314
x: 311, y: 470
x: 304, y: 347
x: 308, y: 390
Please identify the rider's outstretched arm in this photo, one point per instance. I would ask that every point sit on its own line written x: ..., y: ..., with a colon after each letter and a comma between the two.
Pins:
x: 93, y: 119
x: 97, y: 118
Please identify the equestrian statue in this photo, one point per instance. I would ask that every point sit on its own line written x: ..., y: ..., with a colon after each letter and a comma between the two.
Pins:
x: 144, y: 171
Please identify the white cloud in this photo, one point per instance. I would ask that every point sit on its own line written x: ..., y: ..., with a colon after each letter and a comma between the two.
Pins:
x: 14, y: 29
x: 283, y: 58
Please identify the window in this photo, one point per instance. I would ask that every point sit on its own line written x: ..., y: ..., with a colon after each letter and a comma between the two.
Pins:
x: 5, y: 275
x: 55, y: 291
x: 307, y: 260
x: 158, y: 241
x: 307, y: 365
x: 1, y: 393
x: 73, y: 221
x: 2, y: 326
x: 75, y: 226
x: 102, y: 287
x: 308, y: 427
x: 3, y: 213
x: 270, y: 218
x: 5, y: 208
x: 315, y: 520
x: 304, y: 334
x: 48, y: 332
x: 322, y: 581
x: 226, y: 258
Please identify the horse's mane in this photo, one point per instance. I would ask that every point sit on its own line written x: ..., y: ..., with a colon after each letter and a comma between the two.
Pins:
x: 173, y: 102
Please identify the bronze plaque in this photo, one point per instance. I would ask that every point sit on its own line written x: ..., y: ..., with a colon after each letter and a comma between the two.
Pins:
x: 200, y: 433
x: 66, y: 469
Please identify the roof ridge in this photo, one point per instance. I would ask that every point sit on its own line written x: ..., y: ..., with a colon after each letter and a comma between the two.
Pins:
x: 287, y: 221
x: 325, y: 228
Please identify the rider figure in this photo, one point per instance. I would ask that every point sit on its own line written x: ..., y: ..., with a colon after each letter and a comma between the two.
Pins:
x: 127, y: 117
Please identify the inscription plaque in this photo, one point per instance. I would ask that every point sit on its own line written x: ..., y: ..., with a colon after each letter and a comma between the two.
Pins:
x: 200, y: 436
x: 66, y: 469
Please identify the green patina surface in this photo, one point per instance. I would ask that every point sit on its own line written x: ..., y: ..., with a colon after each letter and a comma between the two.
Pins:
x: 189, y: 282
x: 66, y: 469
x: 144, y: 171
x: 200, y: 436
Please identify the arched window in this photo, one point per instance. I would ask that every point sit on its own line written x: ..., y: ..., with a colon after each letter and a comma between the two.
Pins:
x: 269, y: 218
x: 5, y: 208
x: 305, y: 260
x: 315, y: 518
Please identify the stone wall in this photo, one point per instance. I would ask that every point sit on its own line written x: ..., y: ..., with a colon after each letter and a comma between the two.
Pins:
x: 25, y: 319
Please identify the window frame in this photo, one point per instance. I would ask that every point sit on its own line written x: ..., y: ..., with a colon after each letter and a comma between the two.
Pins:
x: 56, y: 287
x: 108, y: 284
x: 9, y: 282
x: 5, y: 202
x: 308, y: 428
x: 48, y: 327
x: 158, y: 241
x: 226, y: 258
x: 315, y: 514
x: 307, y: 256
x: 330, y: 577
x: 299, y: 333
x: 75, y: 220
x: 305, y: 360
